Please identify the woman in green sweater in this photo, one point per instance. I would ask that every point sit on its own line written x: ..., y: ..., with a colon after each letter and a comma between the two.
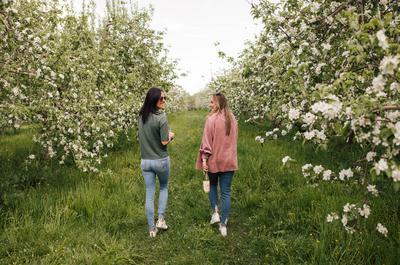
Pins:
x: 154, y: 136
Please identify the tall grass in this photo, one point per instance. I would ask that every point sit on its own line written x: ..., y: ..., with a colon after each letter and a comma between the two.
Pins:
x: 52, y: 214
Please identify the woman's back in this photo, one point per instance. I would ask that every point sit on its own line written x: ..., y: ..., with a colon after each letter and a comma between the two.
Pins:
x: 221, y: 147
x: 151, y: 134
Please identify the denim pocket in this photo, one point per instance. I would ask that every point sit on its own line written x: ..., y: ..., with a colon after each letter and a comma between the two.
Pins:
x: 144, y: 165
x: 163, y: 165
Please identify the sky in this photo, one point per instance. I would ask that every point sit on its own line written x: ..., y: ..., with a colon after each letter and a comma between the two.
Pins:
x: 192, y: 27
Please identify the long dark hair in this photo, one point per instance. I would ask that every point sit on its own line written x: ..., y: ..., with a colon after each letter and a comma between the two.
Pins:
x: 222, y: 106
x: 150, y: 103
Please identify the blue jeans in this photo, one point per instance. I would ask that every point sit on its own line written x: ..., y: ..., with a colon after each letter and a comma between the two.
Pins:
x: 225, y: 181
x: 151, y: 169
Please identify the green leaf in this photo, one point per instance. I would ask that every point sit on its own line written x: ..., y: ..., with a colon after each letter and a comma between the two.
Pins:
x: 386, y: 133
x: 345, y: 129
x: 396, y: 186
x: 373, y: 174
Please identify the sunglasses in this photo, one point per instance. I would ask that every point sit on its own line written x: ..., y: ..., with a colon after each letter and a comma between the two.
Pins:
x: 163, y: 98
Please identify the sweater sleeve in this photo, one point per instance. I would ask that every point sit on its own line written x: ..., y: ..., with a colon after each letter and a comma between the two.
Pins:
x: 207, y: 140
x: 164, y: 129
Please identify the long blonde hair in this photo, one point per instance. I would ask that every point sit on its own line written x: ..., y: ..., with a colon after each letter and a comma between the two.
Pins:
x: 222, y: 106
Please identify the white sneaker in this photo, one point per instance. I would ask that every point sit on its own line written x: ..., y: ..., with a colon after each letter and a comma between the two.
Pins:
x: 153, y: 232
x: 161, y: 224
x: 223, y: 230
x: 215, y: 218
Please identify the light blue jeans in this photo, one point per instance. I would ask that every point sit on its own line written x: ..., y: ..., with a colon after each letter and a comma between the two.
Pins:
x: 225, y: 182
x: 151, y: 169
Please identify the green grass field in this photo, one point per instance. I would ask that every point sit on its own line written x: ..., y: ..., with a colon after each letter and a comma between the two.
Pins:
x: 53, y: 214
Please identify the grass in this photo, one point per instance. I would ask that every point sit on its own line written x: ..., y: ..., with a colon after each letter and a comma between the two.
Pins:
x: 53, y: 214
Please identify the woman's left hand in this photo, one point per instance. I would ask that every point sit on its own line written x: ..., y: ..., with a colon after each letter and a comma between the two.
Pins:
x: 205, y: 166
x: 171, y: 136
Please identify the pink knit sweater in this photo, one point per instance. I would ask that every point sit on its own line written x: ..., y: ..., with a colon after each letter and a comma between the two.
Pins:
x: 217, y: 147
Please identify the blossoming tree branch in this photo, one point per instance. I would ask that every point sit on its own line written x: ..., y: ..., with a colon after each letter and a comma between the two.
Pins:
x: 323, y: 70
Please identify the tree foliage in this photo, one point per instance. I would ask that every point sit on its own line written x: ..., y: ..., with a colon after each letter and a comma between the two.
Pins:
x: 80, y: 82
x: 324, y: 70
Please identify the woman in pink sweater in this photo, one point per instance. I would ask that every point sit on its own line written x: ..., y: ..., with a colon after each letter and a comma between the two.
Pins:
x: 218, y: 156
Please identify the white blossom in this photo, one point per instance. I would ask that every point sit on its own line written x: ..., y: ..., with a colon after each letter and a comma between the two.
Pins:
x: 396, y: 175
x: 259, y: 139
x: 370, y: 156
x: 331, y: 217
x: 309, y: 118
x: 319, y: 67
x: 267, y: 134
x: 320, y: 135
x: 309, y: 135
x: 382, y: 39
x: 327, y: 174
x: 326, y: 46
x: 344, y: 220
x: 15, y: 91
x: 346, y: 53
x: 389, y: 64
x: 378, y: 83
x: 294, y: 114
x: 318, y: 169
x: 381, y: 229
x: 365, y: 211
x: 394, y: 86
x: 345, y: 173
x: 348, y: 207
x: 372, y: 189
x: 305, y: 168
x: 315, y: 51
x: 329, y: 110
x: 393, y: 115
x: 286, y: 159
x: 396, y: 139
x: 381, y: 166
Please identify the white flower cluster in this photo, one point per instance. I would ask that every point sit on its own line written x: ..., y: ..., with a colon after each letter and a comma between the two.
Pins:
x: 350, y: 215
x: 345, y: 174
x: 286, y: 159
x: 293, y: 114
x: 259, y: 139
x: 328, y: 110
x: 273, y: 134
x: 382, y: 229
x: 319, y: 172
x: 372, y: 189
x: 332, y: 217
x: 315, y: 134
